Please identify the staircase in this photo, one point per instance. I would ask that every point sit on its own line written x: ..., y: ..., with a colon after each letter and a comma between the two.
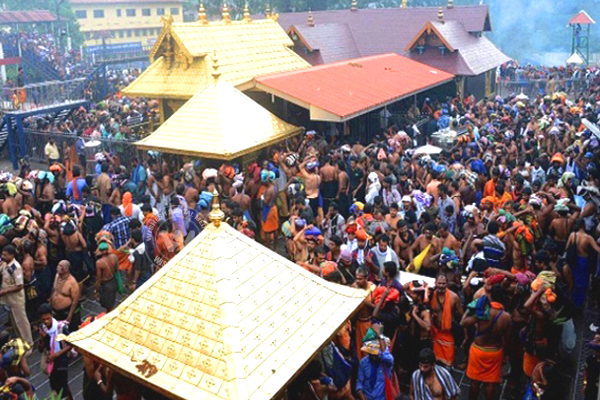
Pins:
x: 37, y: 70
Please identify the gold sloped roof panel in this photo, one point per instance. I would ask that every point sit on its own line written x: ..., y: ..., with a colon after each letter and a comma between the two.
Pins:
x: 218, y: 122
x: 225, y: 319
x: 245, y: 50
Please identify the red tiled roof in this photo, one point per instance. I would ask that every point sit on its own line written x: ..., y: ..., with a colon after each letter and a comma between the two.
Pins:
x: 472, y: 55
x: 334, y: 42
x: 25, y: 17
x: 344, y: 90
x: 389, y: 30
x: 582, y: 18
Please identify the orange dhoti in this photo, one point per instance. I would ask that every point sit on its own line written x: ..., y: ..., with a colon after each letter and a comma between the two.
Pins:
x: 443, y: 345
x: 270, y: 219
x: 485, y: 364
x: 124, y: 263
x: 529, y: 363
x: 361, y: 326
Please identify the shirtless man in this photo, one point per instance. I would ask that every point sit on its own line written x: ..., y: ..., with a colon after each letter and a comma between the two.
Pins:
x: 269, y: 215
x: 45, y: 196
x: 431, y: 381
x: 312, y: 180
x: 55, y: 247
x: 64, y: 299
x: 562, y: 225
x: 242, y: 199
x: 343, y: 187
x: 393, y: 217
x: 104, y: 185
x: 486, y: 354
x: 448, y: 240
x: 428, y: 245
x: 329, y: 182
x: 10, y: 206
x: 362, y: 321
x: 445, y: 304
x: 27, y: 264
x: 75, y: 247
x: 107, y: 266
x: 584, y: 244
x: 403, y: 240
x: 191, y: 196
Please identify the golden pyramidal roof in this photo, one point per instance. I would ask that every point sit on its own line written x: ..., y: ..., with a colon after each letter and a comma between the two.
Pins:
x: 225, y: 319
x: 246, y: 49
x: 219, y: 122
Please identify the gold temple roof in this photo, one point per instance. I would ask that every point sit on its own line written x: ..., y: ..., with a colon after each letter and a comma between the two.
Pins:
x: 219, y: 122
x: 246, y: 49
x: 225, y: 319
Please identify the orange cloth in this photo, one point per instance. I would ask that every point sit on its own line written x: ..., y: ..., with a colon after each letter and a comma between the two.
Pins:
x: 490, y: 188
x: 152, y: 221
x: 447, y: 312
x: 124, y: 263
x: 361, y: 326
x: 485, y: 364
x: 443, y: 345
x: 271, y: 224
x: 165, y: 248
x: 128, y: 204
x: 529, y: 363
x: 505, y: 197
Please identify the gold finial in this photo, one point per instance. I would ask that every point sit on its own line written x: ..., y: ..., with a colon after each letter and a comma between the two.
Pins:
x: 167, y: 20
x: 215, y: 66
x: 247, y: 13
x: 226, y: 17
x: 450, y: 3
x: 354, y: 6
x: 268, y: 11
x: 311, y: 20
x: 404, y: 3
x: 202, y: 14
x: 216, y: 215
x: 440, y: 15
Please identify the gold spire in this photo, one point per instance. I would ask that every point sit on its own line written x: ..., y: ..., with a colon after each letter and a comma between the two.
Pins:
x: 354, y: 6
x: 403, y: 3
x: 311, y: 20
x: 247, y: 13
x: 450, y: 3
x: 440, y: 15
x: 167, y: 20
x: 216, y: 215
x: 202, y: 14
x: 226, y: 17
x: 268, y: 11
x: 215, y: 66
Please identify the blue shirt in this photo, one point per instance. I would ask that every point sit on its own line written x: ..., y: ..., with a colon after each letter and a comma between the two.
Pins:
x: 81, y: 183
x: 119, y: 228
x: 374, y: 389
x: 179, y: 220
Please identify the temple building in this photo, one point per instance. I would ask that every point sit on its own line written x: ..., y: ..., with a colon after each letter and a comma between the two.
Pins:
x: 450, y: 38
x: 226, y: 319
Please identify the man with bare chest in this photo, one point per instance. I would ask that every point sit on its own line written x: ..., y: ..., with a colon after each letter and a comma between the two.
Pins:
x: 329, y: 182
x: 426, y: 246
x: 432, y: 382
x: 269, y: 214
x: 75, y: 248
x: 64, y: 299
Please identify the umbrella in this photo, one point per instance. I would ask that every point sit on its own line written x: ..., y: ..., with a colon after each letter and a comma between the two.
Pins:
x: 428, y: 149
x: 575, y: 59
x: 592, y: 127
x: 522, y: 96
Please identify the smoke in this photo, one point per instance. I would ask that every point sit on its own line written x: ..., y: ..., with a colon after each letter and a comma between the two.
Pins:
x: 535, y: 31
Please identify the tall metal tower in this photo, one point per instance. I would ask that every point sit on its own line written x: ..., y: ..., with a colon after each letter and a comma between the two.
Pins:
x: 581, y: 24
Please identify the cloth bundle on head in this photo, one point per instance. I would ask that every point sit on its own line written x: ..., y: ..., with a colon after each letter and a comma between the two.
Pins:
x: 564, y: 178
x: 45, y: 175
x: 238, y: 181
x: 393, y: 296
x: 5, y: 224
x: 356, y: 208
x: 558, y: 157
x: 267, y: 176
x: 291, y: 159
x: 312, y: 232
x: 535, y: 200
x: 99, y: 157
x: 480, y: 308
x: 421, y: 200
x: 561, y: 205
x: 5, y: 176
x: 227, y: 171
x: 346, y: 254
x: 449, y: 259
x: 361, y: 235
x: 373, y: 347
x: 10, y: 188
x: 104, y: 237
x: 209, y: 173
x: 59, y: 208
x: 312, y: 165
x: 373, y: 177
x: 205, y: 199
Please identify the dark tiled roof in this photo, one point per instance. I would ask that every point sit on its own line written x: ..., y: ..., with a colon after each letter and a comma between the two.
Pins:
x: 25, y: 17
x: 334, y: 42
x: 385, y: 30
x: 473, y: 55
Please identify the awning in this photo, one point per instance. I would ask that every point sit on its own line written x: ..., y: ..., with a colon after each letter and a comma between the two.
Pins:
x: 226, y: 319
x: 344, y: 90
x: 219, y: 122
x: 26, y: 17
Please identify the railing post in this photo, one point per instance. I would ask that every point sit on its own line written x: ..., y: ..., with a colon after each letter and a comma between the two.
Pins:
x: 11, y: 142
x: 22, y: 140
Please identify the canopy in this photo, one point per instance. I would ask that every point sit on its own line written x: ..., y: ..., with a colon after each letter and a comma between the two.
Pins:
x: 227, y: 319
x: 219, y: 122
x: 575, y: 59
x: 428, y: 149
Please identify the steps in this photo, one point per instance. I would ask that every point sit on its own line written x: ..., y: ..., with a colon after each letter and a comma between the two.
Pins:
x: 37, y: 70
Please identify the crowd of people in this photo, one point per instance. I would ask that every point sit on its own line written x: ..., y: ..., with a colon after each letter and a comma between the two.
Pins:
x: 474, y: 256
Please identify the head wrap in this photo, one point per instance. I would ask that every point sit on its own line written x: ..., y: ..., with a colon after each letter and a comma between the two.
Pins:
x: 534, y: 199
x: 128, y: 204
x: 560, y: 206
x: 558, y: 157
x: 495, y: 279
x: 361, y: 234
x: 373, y: 177
x: 209, y: 173
x: 312, y: 165
x: 204, y: 200
x: 346, y: 254
x: 564, y: 178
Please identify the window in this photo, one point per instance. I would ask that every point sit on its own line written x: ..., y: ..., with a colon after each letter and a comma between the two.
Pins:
x: 128, y: 32
x: 175, y: 11
x: 145, y: 12
x: 130, y: 12
x: 98, y: 13
x: 121, y: 33
x: 137, y: 32
x: 144, y: 32
x: 118, y: 12
x: 81, y: 14
x: 160, y: 11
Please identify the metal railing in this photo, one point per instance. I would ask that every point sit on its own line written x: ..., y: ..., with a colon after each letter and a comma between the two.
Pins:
x: 38, y: 95
x: 541, y: 87
x: 108, y: 56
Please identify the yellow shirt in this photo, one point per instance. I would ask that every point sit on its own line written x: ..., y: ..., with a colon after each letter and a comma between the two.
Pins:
x: 51, y: 151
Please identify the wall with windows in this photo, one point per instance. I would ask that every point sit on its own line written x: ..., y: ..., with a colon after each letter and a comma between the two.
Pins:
x: 129, y: 21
